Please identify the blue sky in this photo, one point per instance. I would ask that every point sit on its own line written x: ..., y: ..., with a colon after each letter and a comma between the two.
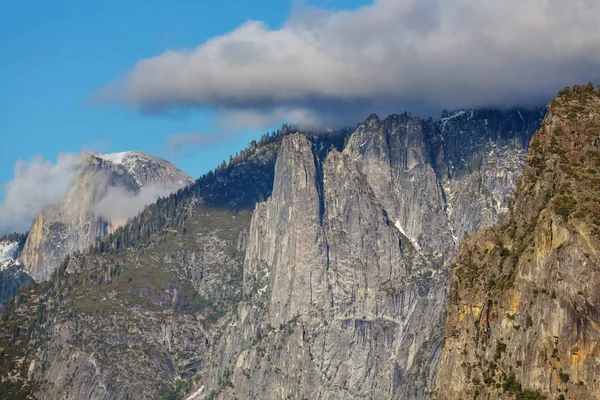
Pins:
x: 121, y: 75
x: 56, y: 55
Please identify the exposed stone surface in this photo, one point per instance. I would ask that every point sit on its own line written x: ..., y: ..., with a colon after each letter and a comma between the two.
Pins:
x: 345, y: 274
x: 523, y: 310
x: 332, y: 288
x: 76, y: 223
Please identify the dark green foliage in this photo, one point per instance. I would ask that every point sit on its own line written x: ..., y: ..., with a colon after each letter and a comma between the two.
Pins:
x: 182, y: 387
x: 500, y: 349
x: 511, y: 384
x: 529, y: 394
x: 564, y: 377
x: 565, y: 205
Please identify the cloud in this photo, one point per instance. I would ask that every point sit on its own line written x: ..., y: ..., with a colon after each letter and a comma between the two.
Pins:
x: 182, y: 144
x: 120, y: 204
x: 37, y: 183
x: 392, y: 55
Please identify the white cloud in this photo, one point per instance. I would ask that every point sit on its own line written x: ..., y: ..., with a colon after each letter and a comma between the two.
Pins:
x: 37, y: 183
x: 420, y: 55
x: 120, y: 204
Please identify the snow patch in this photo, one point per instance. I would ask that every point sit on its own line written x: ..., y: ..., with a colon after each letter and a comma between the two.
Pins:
x: 412, y: 241
x: 115, y: 158
x: 7, y: 252
x: 445, y: 120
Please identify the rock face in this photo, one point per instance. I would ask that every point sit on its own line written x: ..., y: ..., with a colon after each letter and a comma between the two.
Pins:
x: 482, y: 163
x: 345, y: 272
x: 12, y: 276
x: 334, y: 287
x: 107, y: 190
x: 137, y: 321
x: 524, y: 303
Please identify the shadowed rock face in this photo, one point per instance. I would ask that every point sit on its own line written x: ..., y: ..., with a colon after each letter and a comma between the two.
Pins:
x: 523, y: 310
x: 102, y: 186
x: 345, y: 272
x: 12, y: 276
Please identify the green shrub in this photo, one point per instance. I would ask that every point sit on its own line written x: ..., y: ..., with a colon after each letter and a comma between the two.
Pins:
x: 565, y: 205
x: 564, y: 377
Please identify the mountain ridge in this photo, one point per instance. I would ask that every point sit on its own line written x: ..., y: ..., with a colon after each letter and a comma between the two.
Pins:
x: 166, y: 286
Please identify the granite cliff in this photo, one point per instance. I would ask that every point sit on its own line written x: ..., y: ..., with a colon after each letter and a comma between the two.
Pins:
x: 312, y: 265
x: 345, y: 271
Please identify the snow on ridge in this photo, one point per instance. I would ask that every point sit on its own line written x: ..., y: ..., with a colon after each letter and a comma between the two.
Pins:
x: 115, y: 158
x: 445, y: 120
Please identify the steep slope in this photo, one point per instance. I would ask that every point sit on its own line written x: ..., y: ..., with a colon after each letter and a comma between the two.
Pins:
x: 137, y: 317
x: 523, y: 312
x: 157, y: 304
x: 12, y: 276
x: 481, y: 162
x: 107, y: 190
x: 334, y: 292
x: 345, y: 278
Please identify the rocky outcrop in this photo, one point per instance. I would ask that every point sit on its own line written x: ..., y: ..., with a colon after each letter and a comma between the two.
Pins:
x: 480, y: 163
x: 107, y: 190
x: 334, y: 291
x: 523, y: 310
x: 345, y: 273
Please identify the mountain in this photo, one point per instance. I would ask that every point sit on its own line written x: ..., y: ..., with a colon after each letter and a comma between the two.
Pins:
x: 524, y: 309
x: 106, y: 191
x: 260, y: 278
x: 345, y: 271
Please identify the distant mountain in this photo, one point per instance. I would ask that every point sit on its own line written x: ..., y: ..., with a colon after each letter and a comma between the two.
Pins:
x: 107, y: 190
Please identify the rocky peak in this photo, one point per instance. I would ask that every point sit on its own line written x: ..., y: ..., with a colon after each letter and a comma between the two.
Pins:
x: 106, y: 190
x: 326, y: 273
x: 286, y: 235
x: 146, y: 169
x: 372, y: 120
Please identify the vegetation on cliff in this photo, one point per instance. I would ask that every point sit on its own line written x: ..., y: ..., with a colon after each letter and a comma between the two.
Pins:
x: 524, y: 298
